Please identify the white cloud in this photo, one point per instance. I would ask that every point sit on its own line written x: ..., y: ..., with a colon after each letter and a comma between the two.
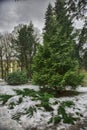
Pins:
x: 13, y: 13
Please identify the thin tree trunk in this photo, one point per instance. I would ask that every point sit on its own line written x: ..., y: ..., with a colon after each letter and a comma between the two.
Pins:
x: 2, y: 71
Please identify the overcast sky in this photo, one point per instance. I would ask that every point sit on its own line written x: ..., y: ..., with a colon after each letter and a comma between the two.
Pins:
x: 22, y: 11
x: 14, y: 12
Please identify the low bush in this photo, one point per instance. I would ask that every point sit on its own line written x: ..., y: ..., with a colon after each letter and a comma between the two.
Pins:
x: 17, y: 78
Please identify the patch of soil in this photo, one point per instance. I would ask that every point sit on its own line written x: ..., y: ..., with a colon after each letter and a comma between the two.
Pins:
x: 63, y: 93
x: 68, y: 93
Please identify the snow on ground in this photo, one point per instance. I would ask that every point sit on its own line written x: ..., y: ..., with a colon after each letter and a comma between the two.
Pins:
x: 40, y: 116
x: 82, y: 89
x: 8, y: 89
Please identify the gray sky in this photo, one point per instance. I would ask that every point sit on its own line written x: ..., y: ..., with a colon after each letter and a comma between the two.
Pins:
x: 22, y: 11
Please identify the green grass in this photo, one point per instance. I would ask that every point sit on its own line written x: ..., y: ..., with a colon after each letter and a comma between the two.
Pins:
x: 20, y: 100
x: 31, y: 111
x: 62, y: 115
x: 84, y: 72
x: 5, y: 98
x: 26, y: 92
x: 11, y: 105
x: 16, y: 116
x: 44, y: 97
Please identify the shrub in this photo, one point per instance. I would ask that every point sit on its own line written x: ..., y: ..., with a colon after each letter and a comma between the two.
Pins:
x: 17, y: 78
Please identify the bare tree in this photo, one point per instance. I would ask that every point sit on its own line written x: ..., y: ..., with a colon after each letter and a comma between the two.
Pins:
x: 6, y: 53
x: 1, y: 58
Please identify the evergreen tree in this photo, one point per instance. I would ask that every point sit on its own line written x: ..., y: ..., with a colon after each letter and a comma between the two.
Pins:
x: 78, y: 8
x: 1, y: 58
x: 55, y: 65
x: 48, y: 18
x: 26, y: 47
x: 78, y: 11
x: 84, y: 65
x: 83, y: 41
x: 81, y: 48
x: 63, y: 18
x: 49, y: 23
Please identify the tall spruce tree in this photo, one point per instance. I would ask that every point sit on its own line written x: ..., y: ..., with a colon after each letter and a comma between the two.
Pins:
x: 63, y: 18
x: 49, y: 23
x: 55, y: 65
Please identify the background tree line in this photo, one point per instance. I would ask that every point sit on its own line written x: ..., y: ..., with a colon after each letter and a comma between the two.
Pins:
x: 21, y: 46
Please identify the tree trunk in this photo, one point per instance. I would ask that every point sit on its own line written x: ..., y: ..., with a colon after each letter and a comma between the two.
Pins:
x: 2, y: 70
